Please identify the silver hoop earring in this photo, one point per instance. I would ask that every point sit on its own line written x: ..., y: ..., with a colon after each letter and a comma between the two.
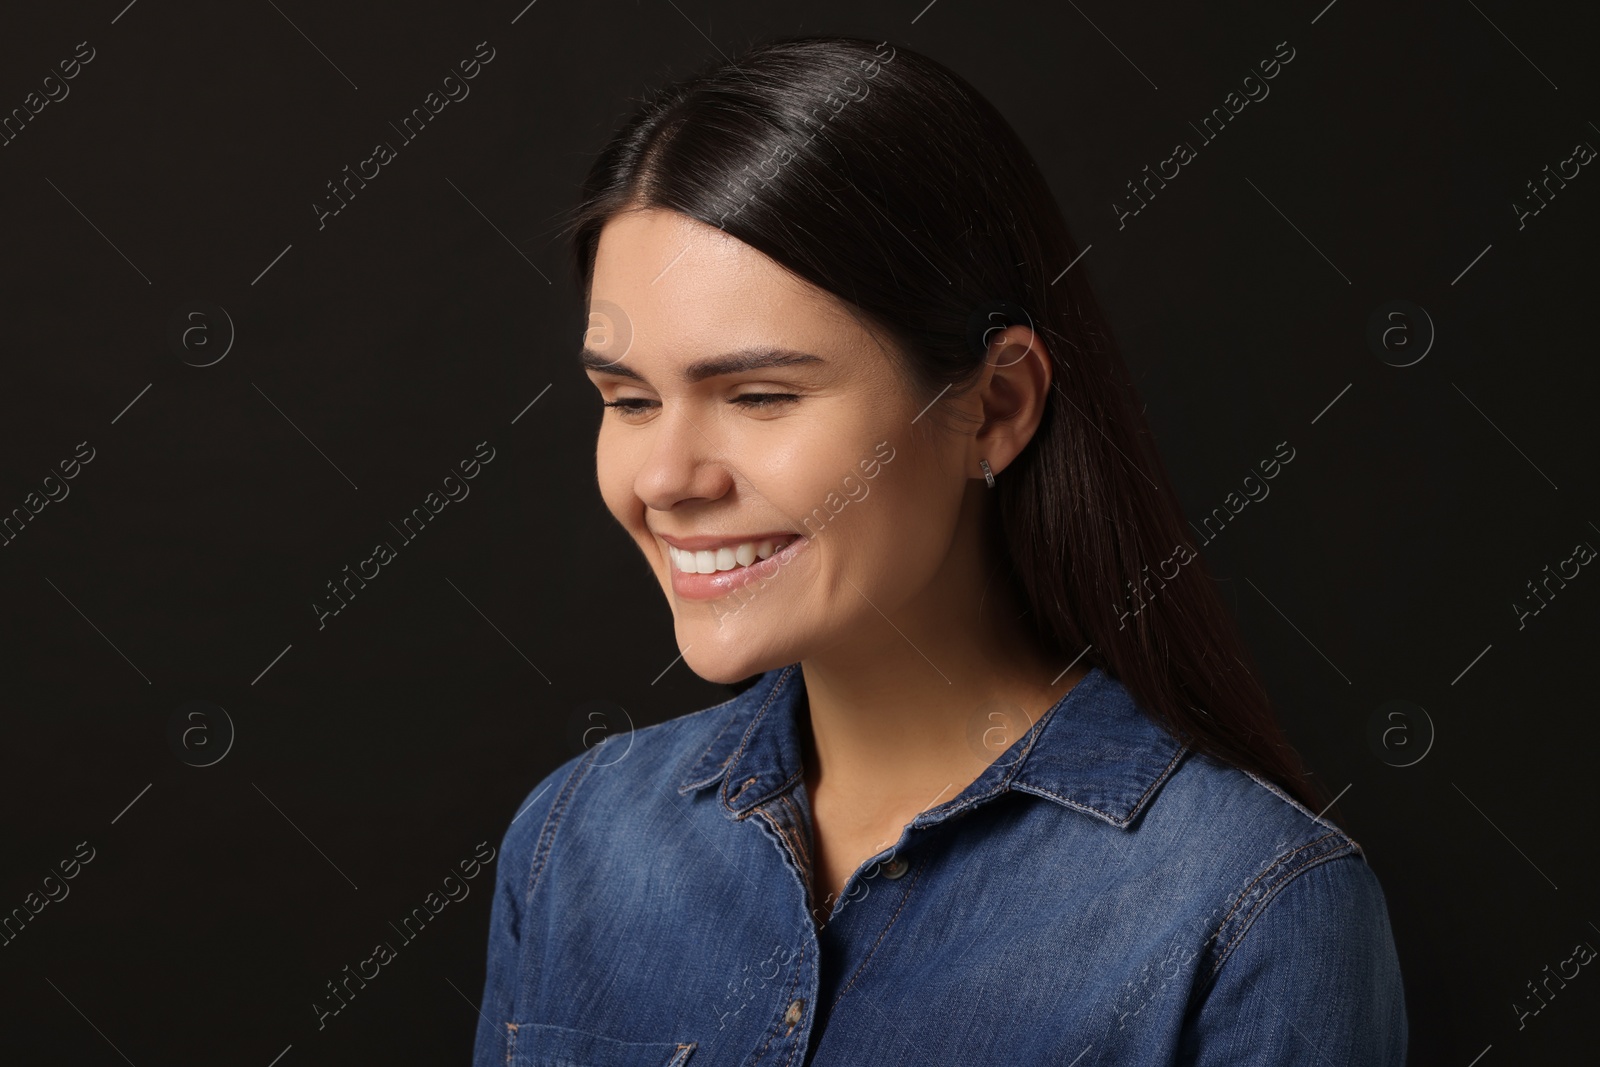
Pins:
x: 988, y: 475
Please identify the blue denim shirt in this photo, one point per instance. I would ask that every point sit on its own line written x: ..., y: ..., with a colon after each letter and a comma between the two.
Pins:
x: 1098, y: 895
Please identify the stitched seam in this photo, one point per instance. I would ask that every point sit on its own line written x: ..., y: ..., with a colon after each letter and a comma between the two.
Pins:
x: 1044, y: 723
x: 1022, y: 760
x: 744, y: 741
x: 794, y: 1048
x: 1292, y: 802
x: 793, y: 841
x: 778, y: 790
x: 1036, y: 731
x: 685, y: 1048
x: 552, y: 822
x: 1276, y: 889
x: 706, y: 755
x: 1115, y: 820
x: 765, y: 704
x: 1162, y: 777
x: 799, y: 825
x: 803, y: 852
x: 776, y: 825
x: 800, y: 963
x: 541, y: 853
x: 904, y: 899
x: 787, y: 997
x: 1288, y: 875
x: 1244, y: 894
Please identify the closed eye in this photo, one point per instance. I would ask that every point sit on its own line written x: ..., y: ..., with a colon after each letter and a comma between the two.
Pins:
x: 761, y: 400
x: 635, y: 404
x: 628, y: 404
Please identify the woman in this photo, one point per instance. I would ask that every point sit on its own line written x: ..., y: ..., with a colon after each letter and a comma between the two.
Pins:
x: 1005, y: 790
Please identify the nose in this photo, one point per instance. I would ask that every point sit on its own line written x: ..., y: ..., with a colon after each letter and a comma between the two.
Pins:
x: 682, y: 462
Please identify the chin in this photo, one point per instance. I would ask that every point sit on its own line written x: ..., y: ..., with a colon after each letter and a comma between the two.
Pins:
x: 725, y: 656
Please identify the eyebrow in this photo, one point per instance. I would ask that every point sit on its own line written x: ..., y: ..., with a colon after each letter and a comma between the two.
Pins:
x: 746, y: 359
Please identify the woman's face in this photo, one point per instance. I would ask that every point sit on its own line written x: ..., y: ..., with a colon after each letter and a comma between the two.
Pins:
x: 720, y: 449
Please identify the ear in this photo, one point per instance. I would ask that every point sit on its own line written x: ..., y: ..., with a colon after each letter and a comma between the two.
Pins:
x: 1011, y: 396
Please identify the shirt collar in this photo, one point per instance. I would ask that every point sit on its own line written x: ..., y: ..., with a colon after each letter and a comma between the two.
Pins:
x: 1094, y: 751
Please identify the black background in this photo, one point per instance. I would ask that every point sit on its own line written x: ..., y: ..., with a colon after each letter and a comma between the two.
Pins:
x: 372, y: 355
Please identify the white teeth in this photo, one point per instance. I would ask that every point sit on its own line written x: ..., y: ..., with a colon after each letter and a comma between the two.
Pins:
x: 709, y: 561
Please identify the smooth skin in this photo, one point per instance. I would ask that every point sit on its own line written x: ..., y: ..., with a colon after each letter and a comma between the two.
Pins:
x: 918, y: 669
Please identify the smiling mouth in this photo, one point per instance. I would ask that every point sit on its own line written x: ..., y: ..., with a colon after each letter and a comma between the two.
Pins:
x: 727, y: 558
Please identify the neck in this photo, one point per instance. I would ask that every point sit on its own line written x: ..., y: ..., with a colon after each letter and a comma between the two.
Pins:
x: 908, y: 712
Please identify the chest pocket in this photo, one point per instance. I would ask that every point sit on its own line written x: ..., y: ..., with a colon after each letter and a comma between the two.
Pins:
x: 544, y: 1045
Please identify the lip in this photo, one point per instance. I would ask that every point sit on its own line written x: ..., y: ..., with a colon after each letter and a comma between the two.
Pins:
x: 706, y: 542
x: 722, y: 583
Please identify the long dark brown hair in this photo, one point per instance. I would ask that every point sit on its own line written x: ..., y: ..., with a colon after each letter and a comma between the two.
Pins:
x: 883, y: 177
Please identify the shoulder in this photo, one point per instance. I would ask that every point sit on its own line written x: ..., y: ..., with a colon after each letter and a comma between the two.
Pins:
x: 1301, y: 950
x: 1313, y: 967
x: 1257, y: 844
x: 628, y: 768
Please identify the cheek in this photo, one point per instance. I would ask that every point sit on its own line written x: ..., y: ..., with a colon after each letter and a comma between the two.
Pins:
x: 905, y: 521
x: 614, y: 475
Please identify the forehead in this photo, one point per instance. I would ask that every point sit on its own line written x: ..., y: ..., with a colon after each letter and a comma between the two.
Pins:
x: 688, y: 289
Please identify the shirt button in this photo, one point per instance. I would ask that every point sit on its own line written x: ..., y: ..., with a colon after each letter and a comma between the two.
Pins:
x: 796, y: 1007
x: 895, y: 868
